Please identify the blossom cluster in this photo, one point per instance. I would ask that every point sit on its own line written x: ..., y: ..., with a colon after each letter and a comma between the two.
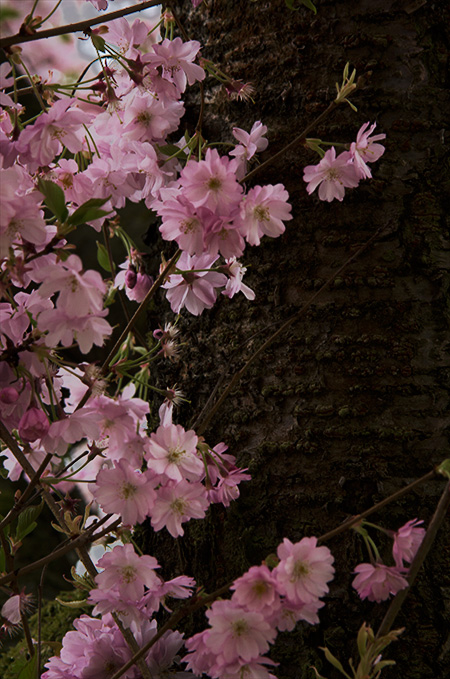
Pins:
x: 336, y: 173
x: 263, y: 603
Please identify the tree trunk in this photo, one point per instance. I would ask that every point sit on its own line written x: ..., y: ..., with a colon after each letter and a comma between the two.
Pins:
x: 351, y: 403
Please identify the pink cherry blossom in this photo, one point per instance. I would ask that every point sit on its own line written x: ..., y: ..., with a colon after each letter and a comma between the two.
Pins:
x: 304, y: 570
x: 128, y: 571
x: 332, y: 175
x: 176, y: 59
x: 196, y: 290
x: 407, y: 541
x: 176, y: 503
x: 250, y: 144
x: 235, y: 271
x: 263, y: 212
x: 212, y: 183
x: 364, y: 150
x: 257, y: 590
x: 62, y: 125
x: 125, y: 491
x: 377, y: 581
x: 172, y: 452
x: 237, y: 633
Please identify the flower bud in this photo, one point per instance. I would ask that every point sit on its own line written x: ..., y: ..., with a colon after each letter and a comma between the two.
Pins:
x: 33, y: 425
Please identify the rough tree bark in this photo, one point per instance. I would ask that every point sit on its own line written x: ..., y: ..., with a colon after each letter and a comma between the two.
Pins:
x: 352, y: 403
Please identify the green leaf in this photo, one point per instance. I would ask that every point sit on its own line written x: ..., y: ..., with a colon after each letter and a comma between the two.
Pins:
x: 307, y: 3
x: 30, y: 669
x: 444, y: 468
x: 172, y: 150
x: 102, y: 256
x: 54, y: 198
x: 27, y: 521
x: 89, y: 211
x: 335, y: 662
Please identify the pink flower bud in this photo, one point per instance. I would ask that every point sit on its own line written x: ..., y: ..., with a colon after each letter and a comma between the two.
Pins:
x: 9, y: 395
x: 130, y: 278
x: 33, y: 425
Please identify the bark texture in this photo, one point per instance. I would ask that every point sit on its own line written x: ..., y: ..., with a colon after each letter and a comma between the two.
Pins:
x: 352, y: 402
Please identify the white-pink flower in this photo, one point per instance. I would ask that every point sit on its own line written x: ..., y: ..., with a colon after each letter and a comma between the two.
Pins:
x: 304, y: 570
x: 377, y: 581
x: 332, y: 175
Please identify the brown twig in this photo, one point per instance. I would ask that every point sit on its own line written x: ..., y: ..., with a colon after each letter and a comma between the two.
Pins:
x: 75, y: 27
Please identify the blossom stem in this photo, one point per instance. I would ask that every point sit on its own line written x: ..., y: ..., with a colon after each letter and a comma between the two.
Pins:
x: 435, y: 524
x: 78, y: 26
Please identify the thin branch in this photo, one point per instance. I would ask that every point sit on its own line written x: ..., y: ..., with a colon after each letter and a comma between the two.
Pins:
x: 78, y: 26
x: 356, y: 519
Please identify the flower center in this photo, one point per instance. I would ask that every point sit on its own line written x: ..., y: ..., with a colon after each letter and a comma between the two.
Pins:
x: 299, y: 571
x: 261, y: 213
x: 214, y: 184
x: 175, y: 454
x: 127, y: 491
x: 144, y: 118
x: 239, y: 627
x: 128, y: 574
x: 177, y: 506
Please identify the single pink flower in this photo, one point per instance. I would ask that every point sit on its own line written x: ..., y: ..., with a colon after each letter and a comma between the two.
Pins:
x: 407, y: 541
x: 176, y: 503
x: 304, y: 570
x: 377, y: 581
x: 172, y: 451
x: 125, y: 491
x: 364, y: 150
x: 237, y: 633
x: 332, y: 175
x: 127, y: 571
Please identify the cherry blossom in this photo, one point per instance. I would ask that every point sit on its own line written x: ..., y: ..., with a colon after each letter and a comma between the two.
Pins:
x: 176, y: 503
x: 304, y: 570
x: 125, y: 491
x: 172, y: 453
x: 364, y: 150
x: 332, y: 175
x: 377, y: 581
x: 407, y: 541
x: 196, y: 290
x: 263, y: 212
